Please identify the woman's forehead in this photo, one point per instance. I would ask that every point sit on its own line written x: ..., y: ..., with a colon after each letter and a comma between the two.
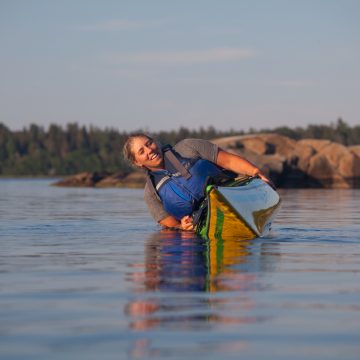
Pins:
x: 139, y: 142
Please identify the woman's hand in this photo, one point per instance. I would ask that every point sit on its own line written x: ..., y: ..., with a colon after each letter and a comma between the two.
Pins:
x: 266, y: 179
x: 187, y: 223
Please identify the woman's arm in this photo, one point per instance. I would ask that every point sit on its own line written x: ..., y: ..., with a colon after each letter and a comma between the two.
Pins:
x: 239, y: 165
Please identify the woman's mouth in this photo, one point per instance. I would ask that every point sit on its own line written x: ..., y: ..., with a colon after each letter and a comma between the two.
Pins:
x: 154, y: 156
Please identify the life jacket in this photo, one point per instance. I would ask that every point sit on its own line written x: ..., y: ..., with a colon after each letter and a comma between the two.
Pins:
x: 181, y: 185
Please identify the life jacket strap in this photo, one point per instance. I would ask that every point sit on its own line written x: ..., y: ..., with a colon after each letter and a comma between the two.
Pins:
x: 175, y: 162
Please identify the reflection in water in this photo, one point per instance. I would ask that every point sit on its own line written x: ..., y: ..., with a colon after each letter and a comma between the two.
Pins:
x: 176, y: 285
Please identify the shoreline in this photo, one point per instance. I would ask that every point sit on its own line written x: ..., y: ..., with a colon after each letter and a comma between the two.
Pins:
x: 120, y: 185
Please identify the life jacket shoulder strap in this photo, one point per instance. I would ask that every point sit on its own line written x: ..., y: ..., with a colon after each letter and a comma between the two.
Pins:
x: 170, y: 156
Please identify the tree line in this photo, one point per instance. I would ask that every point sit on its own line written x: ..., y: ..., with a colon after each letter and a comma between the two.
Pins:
x: 35, y: 151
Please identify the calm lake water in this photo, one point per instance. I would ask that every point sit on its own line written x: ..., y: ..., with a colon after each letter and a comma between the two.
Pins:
x: 86, y: 274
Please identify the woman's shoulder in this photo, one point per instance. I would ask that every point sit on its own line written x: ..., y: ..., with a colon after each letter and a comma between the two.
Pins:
x: 191, y: 142
x: 196, y: 148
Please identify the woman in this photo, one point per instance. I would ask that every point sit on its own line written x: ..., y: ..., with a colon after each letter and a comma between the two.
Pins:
x: 177, y: 176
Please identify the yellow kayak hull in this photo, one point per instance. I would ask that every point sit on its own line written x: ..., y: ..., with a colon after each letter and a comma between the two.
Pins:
x: 244, y: 210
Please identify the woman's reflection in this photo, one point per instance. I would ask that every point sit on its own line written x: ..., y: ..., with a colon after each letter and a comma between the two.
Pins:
x: 180, y: 262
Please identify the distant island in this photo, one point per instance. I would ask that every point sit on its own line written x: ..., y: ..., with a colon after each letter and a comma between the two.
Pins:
x: 315, y: 156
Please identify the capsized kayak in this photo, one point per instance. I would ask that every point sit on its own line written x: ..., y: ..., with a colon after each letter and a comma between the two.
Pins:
x: 243, y: 209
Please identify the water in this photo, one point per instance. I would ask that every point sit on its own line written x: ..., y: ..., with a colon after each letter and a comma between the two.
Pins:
x: 86, y: 274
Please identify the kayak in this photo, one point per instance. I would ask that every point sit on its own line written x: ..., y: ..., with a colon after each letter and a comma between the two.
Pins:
x: 243, y: 209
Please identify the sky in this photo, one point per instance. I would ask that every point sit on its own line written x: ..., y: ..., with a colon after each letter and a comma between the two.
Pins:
x: 159, y: 65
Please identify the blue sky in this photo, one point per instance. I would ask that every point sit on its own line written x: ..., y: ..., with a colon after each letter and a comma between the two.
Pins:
x: 164, y: 64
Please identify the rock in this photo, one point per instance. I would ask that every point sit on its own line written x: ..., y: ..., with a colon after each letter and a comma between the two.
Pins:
x: 340, y: 159
x: 334, y: 165
x: 281, y: 145
x: 301, y: 156
x: 260, y: 144
x: 230, y: 142
x: 316, y: 144
x: 320, y: 172
x: 95, y: 179
x: 135, y: 179
x: 257, y: 145
x: 112, y: 180
x: 355, y: 149
x: 84, y: 179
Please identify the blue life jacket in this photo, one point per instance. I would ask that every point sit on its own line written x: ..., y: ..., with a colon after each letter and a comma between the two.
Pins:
x: 181, y: 186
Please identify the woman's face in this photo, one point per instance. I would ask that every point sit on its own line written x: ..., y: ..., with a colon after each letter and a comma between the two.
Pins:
x: 147, y: 153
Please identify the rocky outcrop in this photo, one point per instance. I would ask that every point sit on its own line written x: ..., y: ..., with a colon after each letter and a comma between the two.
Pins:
x: 289, y: 163
x: 84, y: 179
x: 134, y: 179
x: 303, y: 163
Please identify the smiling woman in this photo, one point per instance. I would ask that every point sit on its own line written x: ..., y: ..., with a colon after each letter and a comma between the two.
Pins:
x: 137, y: 148
x: 147, y: 153
x: 177, y: 176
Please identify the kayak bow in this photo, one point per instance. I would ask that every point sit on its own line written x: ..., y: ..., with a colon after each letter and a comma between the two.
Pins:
x: 243, y: 209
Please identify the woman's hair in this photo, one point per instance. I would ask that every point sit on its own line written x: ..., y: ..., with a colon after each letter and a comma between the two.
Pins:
x: 127, y: 149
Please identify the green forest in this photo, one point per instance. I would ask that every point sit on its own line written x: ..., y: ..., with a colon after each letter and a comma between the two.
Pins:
x: 35, y: 151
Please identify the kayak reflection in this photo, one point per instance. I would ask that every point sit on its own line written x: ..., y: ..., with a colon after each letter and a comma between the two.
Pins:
x: 178, y: 266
